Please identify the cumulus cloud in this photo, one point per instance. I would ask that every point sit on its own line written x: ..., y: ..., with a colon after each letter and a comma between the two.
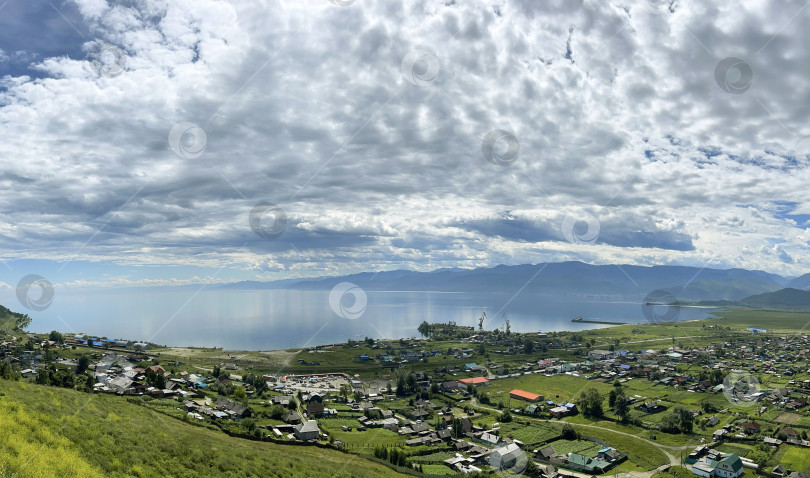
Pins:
x: 618, y: 111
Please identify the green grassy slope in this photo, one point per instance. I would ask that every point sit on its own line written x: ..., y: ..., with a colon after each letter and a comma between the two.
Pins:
x: 46, y: 431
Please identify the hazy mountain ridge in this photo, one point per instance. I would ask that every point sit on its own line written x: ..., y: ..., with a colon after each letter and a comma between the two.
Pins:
x: 783, y: 298
x: 564, y: 279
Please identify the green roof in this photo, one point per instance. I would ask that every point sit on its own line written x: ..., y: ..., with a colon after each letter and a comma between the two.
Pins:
x: 733, y: 461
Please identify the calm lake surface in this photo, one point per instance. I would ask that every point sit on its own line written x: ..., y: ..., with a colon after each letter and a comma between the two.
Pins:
x: 280, y: 319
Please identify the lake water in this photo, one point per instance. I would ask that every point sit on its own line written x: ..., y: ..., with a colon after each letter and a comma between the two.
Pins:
x: 280, y: 319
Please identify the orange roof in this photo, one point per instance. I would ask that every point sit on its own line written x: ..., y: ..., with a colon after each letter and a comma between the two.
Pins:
x: 474, y: 380
x: 524, y: 394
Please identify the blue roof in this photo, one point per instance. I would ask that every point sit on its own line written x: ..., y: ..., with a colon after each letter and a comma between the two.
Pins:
x: 549, y: 402
x: 569, y: 405
x: 625, y: 366
x: 470, y: 365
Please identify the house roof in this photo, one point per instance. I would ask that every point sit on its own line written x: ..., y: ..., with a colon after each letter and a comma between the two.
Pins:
x: 474, y: 380
x: 525, y: 395
x: 733, y: 461
x: 307, y: 426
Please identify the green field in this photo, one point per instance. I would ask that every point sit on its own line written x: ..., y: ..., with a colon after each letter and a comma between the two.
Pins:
x: 795, y: 458
x: 47, y: 431
x: 530, y: 434
x: 583, y: 447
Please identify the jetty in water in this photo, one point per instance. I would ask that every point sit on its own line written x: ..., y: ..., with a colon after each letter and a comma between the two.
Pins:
x: 606, y: 322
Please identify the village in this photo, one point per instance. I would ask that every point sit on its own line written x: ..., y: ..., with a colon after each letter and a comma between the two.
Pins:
x: 478, y: 404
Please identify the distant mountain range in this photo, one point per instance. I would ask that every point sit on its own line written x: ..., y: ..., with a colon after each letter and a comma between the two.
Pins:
x: 788, y: 298
x: 570, y: 280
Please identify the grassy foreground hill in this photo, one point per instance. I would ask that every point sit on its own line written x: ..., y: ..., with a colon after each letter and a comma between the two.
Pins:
x: 48, y: 432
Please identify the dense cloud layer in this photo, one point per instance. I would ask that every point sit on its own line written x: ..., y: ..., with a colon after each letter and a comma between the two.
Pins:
x: 364, y: 124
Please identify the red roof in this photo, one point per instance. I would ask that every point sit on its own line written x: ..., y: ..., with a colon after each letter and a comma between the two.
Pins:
x: 474, y: 380
x: 525, y: 395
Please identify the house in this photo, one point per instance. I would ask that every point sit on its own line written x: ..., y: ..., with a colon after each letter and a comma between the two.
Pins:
x: 449, y: 385
x: 532, y: 409
x: 281, y: 400
x: 546, y: 453
x: 315, y: 409
x: 651, y: 407
x: 778, y: 472
x: 751, y: 427
x: 506, y: 457
x: 419, y: 414
x: 307, y: 431
x: 292, y: 417
x: 729, y: 467
x: 490, y: 439
x: 233, y: 407
x: 723, y: 465
x: 558, y: 412
x: 524, y: 395
x: 787, y: 433
x: 579, y: 462
x: 600, y: 355
x: 610, y: 455
x: 477, y: 381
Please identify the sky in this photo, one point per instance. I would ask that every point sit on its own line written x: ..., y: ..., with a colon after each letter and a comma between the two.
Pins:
x: 151, y: 142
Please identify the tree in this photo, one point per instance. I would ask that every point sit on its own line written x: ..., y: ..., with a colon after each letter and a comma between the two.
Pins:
x: 424, y: 329
x: 84, y: 362
x: 622, y: 408
x: 670, y: 423
x: 685, y: 419
x: 569, y: 432
x: 56, y: 337
x: 344, y: 391
x: 43, y: 378
x: 506, y: 417
x: 239, y: 394
x: 216, y: 372
x: 411, y: 380
x: 591, y: 403
x: 402, y: 389
x: 528, y: 347
x: 458, y: 428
